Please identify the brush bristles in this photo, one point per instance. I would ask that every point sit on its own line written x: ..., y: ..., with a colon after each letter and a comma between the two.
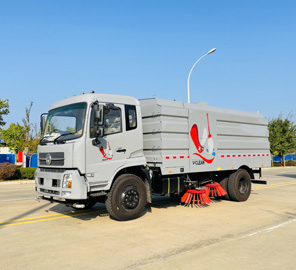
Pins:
x: 198, y: 197
x: 215, y: 190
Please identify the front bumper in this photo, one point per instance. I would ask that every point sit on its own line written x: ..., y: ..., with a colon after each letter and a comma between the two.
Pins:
x: 50, y: 183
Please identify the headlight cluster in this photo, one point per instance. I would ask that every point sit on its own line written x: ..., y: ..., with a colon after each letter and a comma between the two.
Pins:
x: 67, y: 180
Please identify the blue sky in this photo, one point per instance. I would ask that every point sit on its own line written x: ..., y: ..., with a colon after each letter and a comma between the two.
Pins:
x: 50, y: 50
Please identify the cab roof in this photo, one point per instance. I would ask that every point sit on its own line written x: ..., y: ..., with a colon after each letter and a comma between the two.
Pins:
x: 92, y: 97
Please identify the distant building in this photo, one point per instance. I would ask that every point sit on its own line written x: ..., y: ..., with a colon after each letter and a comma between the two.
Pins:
x: 3, y: 148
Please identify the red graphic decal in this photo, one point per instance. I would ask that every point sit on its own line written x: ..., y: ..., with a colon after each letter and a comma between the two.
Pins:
x: 206, y: 160
x: 210, y: 139
x: 210, y: 135
x: 109, y: 152
x: 194, y: 136
x: 200, y: 145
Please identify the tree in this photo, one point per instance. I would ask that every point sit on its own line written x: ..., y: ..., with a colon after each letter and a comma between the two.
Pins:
x: 282, y: 136
x: 22, y: 138
x: 14, y: 137
x: 32, y: 136
x: 4, y: 110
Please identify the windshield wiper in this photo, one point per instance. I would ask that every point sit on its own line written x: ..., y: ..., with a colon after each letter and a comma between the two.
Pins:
x: 43, y: 141
x: 62, y: 135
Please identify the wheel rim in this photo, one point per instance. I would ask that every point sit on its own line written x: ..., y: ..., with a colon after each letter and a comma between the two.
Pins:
x: 243, y: 186
x: 130, y: 197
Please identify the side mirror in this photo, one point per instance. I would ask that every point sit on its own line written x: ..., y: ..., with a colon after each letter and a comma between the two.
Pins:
x: 99, y: 115
x: 98, y: 121
x: 42, y: 122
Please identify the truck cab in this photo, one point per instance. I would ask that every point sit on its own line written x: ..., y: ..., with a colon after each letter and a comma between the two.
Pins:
x: 87, y: 141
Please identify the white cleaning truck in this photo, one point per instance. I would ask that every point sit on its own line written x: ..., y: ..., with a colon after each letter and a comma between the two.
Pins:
x: 120, y: 150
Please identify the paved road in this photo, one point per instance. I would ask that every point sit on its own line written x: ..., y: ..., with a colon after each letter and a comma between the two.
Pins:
x: 257, y: 234
x: 16, y: 192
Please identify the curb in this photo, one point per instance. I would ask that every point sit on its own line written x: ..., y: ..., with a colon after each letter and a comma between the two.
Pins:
x: 274, y: 168
x: 17, y: 182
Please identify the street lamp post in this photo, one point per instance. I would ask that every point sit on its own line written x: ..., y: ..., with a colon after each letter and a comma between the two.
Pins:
x: 211, y: 51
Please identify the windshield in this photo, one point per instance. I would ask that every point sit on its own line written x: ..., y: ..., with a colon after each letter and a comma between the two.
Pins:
x: 65, y: 123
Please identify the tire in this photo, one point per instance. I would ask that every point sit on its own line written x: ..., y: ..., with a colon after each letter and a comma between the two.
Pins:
x: 127, y: 198
x: 224, y: 184
x: 239, y: 185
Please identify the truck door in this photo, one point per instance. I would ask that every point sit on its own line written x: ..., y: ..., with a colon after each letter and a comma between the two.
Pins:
x: 106, y: 157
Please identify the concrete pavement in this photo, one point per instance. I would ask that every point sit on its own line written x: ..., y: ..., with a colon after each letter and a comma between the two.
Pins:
x: 257, y: 234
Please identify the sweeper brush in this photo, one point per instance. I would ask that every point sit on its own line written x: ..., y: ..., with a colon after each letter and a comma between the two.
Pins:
x: 215, y: 190
x: 195, y: 197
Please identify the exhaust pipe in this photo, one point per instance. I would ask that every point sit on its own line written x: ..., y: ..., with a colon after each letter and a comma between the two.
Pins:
x: 78, y: 205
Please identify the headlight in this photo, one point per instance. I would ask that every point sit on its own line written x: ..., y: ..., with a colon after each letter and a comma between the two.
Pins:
x: 67, y: 180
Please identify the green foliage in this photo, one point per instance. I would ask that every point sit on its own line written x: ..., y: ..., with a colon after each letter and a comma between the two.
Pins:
x: 282, y: 135
x: 24, y: 173
x: 7, y: 170
x: 22, y: 138
x: 12, y: 172
x: 4, y: 110
x: 14, y: 137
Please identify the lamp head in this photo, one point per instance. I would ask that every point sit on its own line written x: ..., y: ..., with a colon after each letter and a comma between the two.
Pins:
x: 211, y: 51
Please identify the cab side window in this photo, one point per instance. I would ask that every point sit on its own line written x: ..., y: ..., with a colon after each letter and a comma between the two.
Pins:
x: 112, y: 120
x: 130, y: 117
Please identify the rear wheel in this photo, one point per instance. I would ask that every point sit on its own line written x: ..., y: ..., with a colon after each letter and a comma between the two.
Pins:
x: 239, y: 185
x: 127, y: 198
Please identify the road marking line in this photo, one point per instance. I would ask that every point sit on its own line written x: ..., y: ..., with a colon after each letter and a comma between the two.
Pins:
x: 56, y: 216
x: 49, y: 215
x: 268, y: 230
x: 274, y: 185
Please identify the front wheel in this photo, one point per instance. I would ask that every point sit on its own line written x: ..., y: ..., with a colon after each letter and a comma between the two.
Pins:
x: 239, y: 185
x: 127, y: 198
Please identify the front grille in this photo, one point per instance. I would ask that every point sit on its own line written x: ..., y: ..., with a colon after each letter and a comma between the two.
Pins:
x: 57, y: 159
x: 54, y: 192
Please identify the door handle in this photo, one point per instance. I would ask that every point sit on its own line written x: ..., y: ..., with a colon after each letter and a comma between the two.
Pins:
x: 120, y: 150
